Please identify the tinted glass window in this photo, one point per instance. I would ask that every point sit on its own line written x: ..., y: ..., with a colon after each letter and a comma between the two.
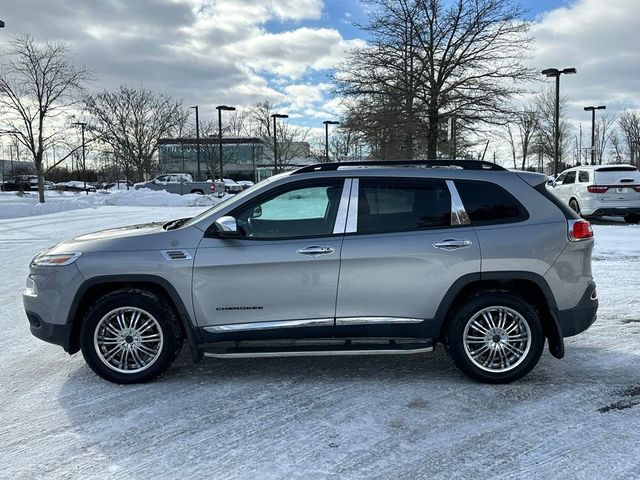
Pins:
x: 561, y: 178
x: 390, y: 205
x: 583, y: 176
x: 570, y: 178
x: 307, y: 210
x: 617, y: 169
x: 489, y: 203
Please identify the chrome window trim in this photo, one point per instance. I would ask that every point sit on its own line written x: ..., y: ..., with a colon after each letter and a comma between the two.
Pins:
x: 341, y: 215
x: 240, y: 327
x: 352, y: 215
x: 343, y: 321
x: 459, y: 215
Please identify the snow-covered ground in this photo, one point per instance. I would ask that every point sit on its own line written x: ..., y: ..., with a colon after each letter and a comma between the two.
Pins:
x: 13, y: 205
x: 343, y: 417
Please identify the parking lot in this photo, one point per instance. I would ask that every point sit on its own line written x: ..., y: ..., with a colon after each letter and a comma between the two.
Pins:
x: 361, y: 417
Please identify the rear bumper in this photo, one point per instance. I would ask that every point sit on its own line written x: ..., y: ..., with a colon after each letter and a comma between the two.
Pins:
x: 579, y: 318
x: 615, y: 211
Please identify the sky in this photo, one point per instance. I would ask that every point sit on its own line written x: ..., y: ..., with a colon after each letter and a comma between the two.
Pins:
x: 237, y: 52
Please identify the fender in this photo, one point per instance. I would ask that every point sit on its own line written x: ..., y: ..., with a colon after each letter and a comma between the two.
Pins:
x: 552, y: 328
x: 191, y: 332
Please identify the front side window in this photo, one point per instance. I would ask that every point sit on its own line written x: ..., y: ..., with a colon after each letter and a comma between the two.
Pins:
x: 307, y: 210
x: 487, y: 203
x: 560, y: 179
x: 395, y: 205
x: 571, y: 178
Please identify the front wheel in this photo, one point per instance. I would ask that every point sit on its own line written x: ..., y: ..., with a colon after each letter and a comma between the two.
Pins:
x: 495, y: 337
x: 130, y: 336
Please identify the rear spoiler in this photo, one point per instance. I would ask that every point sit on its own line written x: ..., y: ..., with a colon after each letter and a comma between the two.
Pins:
x: 532, y: 178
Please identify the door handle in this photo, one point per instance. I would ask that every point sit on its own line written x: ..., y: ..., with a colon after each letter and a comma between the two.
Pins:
x: 315, y: 251
x: 452, y: 244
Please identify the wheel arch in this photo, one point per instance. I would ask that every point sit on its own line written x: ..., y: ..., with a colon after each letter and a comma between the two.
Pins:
x: 96, y: 287
x: 532, y: 287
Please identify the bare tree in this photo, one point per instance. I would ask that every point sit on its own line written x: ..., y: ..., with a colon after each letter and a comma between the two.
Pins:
x: 604, y: 124
x: 130, y: 121
x: 629, y: 124
x: 291, y: 140
x: 545, y: 106
x: 526, y: 121
x: 38, y: 84
x: 430, y: 59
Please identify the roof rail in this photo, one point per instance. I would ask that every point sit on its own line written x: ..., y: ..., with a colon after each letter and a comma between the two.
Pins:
x: 464, y: 164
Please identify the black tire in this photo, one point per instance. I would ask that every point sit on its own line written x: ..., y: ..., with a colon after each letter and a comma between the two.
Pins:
x: 632, y: 218
x: 199, y: 192
x: 165, y: 321
x: 455, y: 337
x: 573, y: 205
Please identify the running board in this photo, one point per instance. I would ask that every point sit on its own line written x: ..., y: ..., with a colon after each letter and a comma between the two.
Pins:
x: 344, y: 348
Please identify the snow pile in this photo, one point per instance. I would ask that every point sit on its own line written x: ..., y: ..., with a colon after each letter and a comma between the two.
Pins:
x: 146, y: 197
x: 26, y: 205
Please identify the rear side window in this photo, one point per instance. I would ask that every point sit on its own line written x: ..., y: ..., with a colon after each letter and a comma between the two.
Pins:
x: 488, y: 203
x: 396, y: 205
x: 583, y: 176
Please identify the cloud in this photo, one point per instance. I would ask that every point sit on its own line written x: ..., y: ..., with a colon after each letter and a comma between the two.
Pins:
x: 207, y: 52
x: 601, y: 40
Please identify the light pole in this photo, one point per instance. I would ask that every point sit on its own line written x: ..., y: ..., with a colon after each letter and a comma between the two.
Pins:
x: 554, y: 72
x: 220, y: 108
x: 275, y: 140
x: 82, y: 125
x: 593, y: 129
x: 326, y: 137
x: 197, y: 141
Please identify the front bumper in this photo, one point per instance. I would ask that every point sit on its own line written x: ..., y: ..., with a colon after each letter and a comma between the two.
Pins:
x: 579, y: 318
x: 49, y: 332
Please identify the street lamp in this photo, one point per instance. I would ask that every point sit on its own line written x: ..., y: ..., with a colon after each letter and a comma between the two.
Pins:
x: 554, y: 72
x: 326, y: 137
x: 275, y: 140
x: 197, y: 141
x: 220, y: 108
x: 82, y: 125
x: 593, y: 129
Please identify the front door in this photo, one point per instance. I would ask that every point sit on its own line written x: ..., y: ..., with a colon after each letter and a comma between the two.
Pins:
x: 401, y: 255
x: 282, y: 273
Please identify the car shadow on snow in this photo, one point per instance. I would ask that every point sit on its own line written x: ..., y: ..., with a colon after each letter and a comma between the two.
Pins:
x: 230, y: 407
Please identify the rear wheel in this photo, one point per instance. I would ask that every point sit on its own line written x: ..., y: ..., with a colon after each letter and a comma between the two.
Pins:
x: 130, y: 336
x: 573, y: 204
x: 495, y: 337
x: 632, y: 218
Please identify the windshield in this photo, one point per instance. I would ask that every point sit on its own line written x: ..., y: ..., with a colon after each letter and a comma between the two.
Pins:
x: 231, y: 199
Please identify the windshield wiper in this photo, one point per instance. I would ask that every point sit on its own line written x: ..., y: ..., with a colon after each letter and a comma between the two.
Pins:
x: 173, y: 224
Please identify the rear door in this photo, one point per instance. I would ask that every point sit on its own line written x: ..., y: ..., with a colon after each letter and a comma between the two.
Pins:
x: 404, y: 247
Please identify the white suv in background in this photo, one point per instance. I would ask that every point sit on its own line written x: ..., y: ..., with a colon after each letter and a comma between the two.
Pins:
x: 599, y: 190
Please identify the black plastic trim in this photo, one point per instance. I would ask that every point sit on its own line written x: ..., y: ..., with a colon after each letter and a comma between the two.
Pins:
x: 58, y: 334
x: 579, y: 318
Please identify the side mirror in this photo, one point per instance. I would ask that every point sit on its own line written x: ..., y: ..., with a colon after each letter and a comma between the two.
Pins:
x: 226, y: 227
x: 551, y: 182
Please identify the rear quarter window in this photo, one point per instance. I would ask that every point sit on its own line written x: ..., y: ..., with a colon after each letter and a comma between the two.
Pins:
x: 487, y: 203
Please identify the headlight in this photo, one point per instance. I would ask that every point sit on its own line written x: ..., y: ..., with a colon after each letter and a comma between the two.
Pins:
x: 53, y: 260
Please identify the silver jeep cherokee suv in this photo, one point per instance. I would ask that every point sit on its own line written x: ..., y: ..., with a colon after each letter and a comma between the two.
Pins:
x: 352, y: 258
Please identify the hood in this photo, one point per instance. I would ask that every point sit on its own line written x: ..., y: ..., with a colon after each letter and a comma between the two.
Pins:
x: 120, y: 232
x: 148, y: 236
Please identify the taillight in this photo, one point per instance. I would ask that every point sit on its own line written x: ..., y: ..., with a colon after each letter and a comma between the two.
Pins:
x: 597, y: 188
x: 579, y: 230
x: 636, y: 188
